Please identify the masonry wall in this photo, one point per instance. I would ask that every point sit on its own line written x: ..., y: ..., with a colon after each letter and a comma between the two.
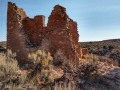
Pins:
x: 25, y: 35
x: 65, y: 35
x: 34, y: 28
x: 15, y: 35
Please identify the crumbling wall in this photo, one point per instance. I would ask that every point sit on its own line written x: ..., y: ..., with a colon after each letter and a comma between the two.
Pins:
x: 58, y: 18
x: 34, y: 28
x: 65, y: 35
x: 15, y: 34
x: 24, y: 33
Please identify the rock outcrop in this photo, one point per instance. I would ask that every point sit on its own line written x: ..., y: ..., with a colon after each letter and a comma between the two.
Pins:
x: 25, y: 35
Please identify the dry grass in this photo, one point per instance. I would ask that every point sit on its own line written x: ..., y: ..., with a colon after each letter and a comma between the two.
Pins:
x: 93, y: 69
x: 45, y: 76
x: 8, y: 66
x: 8, y: 70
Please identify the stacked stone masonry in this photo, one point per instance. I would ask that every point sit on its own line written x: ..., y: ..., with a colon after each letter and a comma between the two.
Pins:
x: 25, y: 35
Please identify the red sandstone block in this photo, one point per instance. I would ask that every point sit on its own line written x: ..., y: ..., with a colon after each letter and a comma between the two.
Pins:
x: 84, y: 51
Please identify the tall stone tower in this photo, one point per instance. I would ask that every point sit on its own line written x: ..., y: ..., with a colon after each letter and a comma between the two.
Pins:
x: 15, y: 34
x: 65, y: 35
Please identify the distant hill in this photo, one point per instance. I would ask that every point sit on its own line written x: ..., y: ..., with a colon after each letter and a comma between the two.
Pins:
x: 112, y: 42
x: 3, y: 44
x: 106, y: 48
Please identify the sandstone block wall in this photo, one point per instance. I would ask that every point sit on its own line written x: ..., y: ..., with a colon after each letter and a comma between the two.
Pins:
x: 84, y: 51
x: 15, y: 35
x: 25, y: 35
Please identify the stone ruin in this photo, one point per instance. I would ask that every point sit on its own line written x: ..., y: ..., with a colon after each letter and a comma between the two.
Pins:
x: 25, y: 35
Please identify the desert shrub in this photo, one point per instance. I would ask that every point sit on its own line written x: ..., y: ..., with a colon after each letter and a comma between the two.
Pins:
x: 41, y: 77
x: 88, y: 67
x: 41, y: 57
x: 10, y: 79
x: 8, y: 65
x: 108, y: 61
x: 1, y: 47
x: 43, y: 67
x: 105, y: 47
x: 110, y: 47
x: 13, y: 78
x: 67, y: 65
x: 8, y: 70
x: 10, y: 54
x: 59, y: 58
x: 90, y: 42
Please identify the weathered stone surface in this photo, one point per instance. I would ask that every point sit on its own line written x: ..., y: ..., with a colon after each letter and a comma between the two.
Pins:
x: 84, y: 51
x: 34, y: 28
x: 25, y: 35
x: 15, y: 34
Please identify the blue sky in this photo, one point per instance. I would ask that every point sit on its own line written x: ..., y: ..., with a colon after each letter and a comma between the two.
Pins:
x: 97, y: 19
